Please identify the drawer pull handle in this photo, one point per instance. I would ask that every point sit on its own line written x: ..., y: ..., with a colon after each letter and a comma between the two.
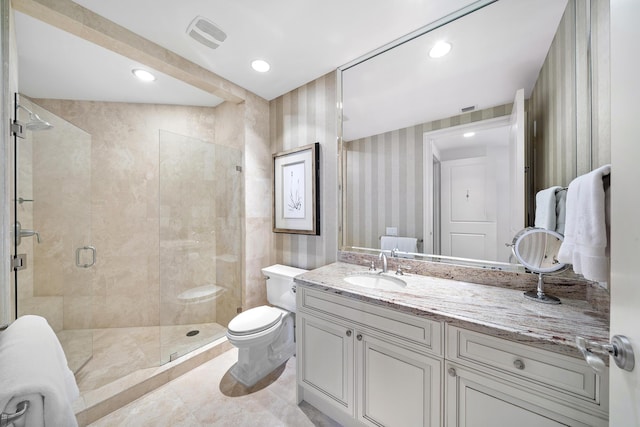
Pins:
x: 349, y: 333
x: 519, y: 364
x: 452, y: 372
x: 359, y: 337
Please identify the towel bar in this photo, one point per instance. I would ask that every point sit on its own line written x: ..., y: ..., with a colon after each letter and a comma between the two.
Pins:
x: 6, y: 419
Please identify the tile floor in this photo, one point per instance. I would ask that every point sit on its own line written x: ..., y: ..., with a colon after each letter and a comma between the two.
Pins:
x: 101, y: 356
x: 209, y: 396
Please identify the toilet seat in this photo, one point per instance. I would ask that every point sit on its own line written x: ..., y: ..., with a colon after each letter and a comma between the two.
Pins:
x: 255, y: 320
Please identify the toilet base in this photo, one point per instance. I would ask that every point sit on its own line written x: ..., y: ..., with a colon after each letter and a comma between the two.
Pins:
x: 255, y: 363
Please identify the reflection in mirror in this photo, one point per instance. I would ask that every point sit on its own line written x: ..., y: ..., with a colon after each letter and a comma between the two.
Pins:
x: 537, y: 249
x: 394, y: 101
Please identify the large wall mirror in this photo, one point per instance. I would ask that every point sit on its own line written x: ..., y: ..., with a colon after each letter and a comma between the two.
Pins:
x: 442, y: 156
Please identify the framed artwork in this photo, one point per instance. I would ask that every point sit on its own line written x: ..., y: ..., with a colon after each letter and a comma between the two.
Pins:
x: 296, y: 196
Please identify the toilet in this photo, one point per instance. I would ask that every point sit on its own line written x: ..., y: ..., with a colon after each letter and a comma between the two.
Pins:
x: 264, y: 335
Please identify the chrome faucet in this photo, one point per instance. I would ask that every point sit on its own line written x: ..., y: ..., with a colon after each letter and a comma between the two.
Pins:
x: 383, y: 257
x: 23, y: 232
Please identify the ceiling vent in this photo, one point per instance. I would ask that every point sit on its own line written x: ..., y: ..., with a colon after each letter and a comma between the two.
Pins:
x: 206, y: 32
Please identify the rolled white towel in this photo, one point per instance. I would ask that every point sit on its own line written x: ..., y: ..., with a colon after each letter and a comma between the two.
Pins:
x: 33, y: 367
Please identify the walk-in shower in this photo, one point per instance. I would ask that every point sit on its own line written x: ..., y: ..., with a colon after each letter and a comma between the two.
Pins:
x: 139, y: 259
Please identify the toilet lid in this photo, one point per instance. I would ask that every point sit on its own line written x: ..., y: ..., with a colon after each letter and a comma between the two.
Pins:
x: 254, y: 320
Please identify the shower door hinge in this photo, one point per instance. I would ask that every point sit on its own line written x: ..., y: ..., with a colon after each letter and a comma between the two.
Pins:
x: 239, y: 168
x: 17, y: 129
x: 19, y: 262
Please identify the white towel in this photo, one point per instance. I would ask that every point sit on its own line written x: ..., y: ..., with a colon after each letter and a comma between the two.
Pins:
x: 546, y: 208
x: 33, y: 367
x: 407, y: 244
x: 388, y: 243
x: 585, y: 238
x: 561, y: 210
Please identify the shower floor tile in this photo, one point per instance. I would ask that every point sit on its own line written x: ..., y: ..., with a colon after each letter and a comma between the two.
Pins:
x: 209, y: 396
x: 118, y: 352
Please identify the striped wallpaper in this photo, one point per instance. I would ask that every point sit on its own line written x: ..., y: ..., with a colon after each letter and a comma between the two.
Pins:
x: 571, y: 129
x: 301, y: 117
x: 601, y: 84
x: 390, y: 163
x: 553, y: 109
x: 384, y: 180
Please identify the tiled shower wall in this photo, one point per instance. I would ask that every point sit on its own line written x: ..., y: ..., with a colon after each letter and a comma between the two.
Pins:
x: 124, y: 205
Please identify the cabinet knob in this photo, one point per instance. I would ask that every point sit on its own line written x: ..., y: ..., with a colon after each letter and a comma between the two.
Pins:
x: 348, y: 333
x: 359, y: 337
x: 451, y: 372
x: 519, y: 364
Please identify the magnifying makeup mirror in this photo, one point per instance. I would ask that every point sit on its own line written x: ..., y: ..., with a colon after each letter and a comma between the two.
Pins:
x: 537, y: 250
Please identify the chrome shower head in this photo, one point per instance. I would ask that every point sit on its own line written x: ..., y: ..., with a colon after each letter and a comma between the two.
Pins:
x: 35, y: 123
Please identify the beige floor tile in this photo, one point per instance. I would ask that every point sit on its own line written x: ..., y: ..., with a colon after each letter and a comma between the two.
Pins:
x: 209, y: 396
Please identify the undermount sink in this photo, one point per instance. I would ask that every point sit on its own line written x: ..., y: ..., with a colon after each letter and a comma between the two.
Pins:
x: 375, y: 281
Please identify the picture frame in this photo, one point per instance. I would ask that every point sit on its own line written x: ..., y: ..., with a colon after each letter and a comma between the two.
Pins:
x: 296, y: 195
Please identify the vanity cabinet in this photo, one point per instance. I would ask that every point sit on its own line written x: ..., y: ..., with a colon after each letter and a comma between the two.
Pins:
x: 366, y: 365
x: 492, y: 381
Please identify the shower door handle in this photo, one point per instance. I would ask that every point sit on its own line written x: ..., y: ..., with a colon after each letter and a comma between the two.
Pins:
x: 93, y: 256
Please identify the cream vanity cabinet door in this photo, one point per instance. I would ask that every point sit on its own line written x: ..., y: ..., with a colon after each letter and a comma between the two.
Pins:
x: 396, y: 386
x: 325, y: 360
x: 495, y: 382
x: 366, y: 365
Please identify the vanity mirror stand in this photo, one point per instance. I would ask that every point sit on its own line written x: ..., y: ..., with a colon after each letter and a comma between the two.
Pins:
x: 539, y: 295
x: 537, y: 250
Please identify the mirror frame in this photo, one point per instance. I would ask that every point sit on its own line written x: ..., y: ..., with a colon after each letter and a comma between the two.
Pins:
x: 583, y: 157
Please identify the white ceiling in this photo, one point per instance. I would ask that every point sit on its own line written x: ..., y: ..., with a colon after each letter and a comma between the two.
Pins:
x: 496, y: 51
x: 301, y: 39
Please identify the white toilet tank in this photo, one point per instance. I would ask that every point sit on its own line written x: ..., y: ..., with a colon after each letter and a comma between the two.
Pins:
x: 280, y: 284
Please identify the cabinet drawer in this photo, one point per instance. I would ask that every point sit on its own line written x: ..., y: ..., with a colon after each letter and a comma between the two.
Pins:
x: 536, y: 366
x: 426, y: 333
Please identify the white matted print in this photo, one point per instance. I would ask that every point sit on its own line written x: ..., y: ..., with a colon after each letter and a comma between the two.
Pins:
x: 296, y: 179
x: 293, y: 181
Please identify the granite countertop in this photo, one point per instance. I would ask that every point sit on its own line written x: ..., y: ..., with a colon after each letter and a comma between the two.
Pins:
x: 493, y: 310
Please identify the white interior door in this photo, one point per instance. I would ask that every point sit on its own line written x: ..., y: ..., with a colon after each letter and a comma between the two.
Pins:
x: 625, y: 205
x: 468, y: 209
x: 516, y: 164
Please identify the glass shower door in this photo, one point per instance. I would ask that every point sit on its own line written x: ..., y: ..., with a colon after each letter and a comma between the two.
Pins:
x: 201, y: 196
x: 53, y: 185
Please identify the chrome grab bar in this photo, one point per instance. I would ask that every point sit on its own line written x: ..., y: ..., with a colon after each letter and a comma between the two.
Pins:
x: 93, y: 256
x: 8, y: 419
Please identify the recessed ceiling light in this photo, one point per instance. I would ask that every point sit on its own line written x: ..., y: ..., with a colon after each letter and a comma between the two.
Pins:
x: 260, y: 66
x: 143, y: 75
x: 468, y: 134
x: 440, y: 49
